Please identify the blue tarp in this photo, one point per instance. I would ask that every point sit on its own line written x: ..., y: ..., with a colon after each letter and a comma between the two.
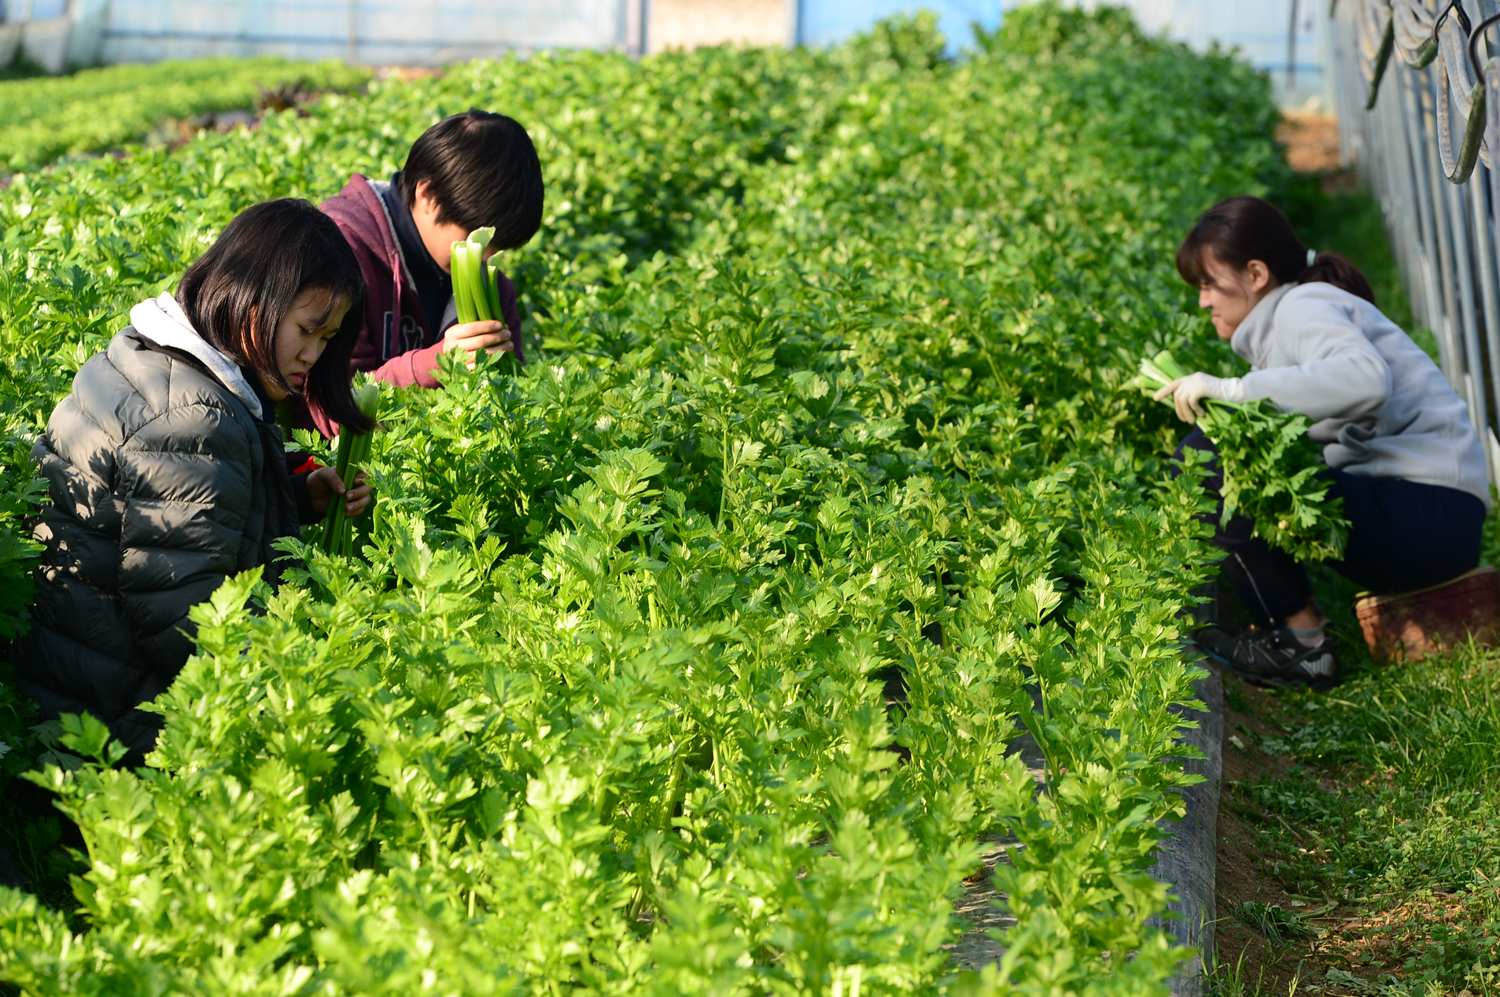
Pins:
x: 826, y: 22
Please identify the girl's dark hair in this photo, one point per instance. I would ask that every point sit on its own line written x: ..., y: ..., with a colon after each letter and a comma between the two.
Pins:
x: 236, y: 294
x: 1240, y: 229
x: 481, y: 169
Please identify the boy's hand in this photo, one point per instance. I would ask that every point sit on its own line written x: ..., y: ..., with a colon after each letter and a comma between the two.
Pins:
x: 492, y: 337
x: 323, y: 484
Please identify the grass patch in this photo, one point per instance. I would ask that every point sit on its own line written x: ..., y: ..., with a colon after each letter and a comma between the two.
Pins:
x: 1391, y: 813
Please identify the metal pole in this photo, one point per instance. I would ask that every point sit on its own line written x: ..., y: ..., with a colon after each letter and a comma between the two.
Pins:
x: 1291, y: 51
x: 1431, y: 302
x: 1447, y: 329
x: 632, y: 25
x: 351, y: 54
x: 1404, y: 215
x: 1478, y: 409
x: 1484, y: 246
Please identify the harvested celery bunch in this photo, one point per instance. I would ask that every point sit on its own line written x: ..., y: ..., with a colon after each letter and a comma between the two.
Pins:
x: 475, y: 293
x: 1272, y: 471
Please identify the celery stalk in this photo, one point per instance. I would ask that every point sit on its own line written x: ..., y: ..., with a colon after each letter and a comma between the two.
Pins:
x: 354, y: 450
x: 463, y: 299
x: 1161, y: 370
x: 473, y: 262
x: 476, y: 294
x: 491, y: 291
x: 333, y: 521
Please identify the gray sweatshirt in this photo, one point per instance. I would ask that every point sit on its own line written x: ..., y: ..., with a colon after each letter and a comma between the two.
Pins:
x: 1381, y: 408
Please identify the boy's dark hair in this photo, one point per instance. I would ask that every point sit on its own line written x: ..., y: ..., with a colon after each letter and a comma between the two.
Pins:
x: 481, y: 169
x: 1244, y: 228
x: 236, y: 294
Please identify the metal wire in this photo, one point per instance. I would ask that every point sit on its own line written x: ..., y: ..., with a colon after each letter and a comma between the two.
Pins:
x: 1417, y: 32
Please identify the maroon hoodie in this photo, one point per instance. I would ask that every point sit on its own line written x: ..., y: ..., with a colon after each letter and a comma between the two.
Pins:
x: 396, y: 345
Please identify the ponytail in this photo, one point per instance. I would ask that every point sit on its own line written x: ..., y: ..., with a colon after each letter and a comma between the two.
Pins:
x: 1338, y: 270
x: 1240, y: 229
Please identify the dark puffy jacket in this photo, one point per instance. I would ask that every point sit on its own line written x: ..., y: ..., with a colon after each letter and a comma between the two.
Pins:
x: 162, y: 484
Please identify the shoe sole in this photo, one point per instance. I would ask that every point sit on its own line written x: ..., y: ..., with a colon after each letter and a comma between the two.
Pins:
x: 1268, y: 681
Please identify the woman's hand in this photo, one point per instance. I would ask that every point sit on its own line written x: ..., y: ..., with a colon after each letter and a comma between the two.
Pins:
x: 323, y: 484
x: 1189, y: 393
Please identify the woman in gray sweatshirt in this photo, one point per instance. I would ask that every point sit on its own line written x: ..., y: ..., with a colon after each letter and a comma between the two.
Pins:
x: 1401, y: 452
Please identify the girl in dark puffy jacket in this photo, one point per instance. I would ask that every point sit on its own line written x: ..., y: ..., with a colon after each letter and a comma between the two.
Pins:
x: 166, y: 468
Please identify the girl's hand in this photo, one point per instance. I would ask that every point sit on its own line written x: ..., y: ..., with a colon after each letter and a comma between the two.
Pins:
x: 1189, y: 393
x: 324, y: 484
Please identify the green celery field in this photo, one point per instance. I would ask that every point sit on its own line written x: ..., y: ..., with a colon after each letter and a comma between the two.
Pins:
x: 827, y: 354
x: 96, y: 109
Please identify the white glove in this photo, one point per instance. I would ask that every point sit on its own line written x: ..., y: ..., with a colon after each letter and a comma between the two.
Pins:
x: 1189, y: 393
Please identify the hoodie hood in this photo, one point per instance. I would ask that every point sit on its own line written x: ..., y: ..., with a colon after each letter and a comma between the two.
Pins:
x: 360, y: 213
x: 1252, y: 340
x: 163, y: 321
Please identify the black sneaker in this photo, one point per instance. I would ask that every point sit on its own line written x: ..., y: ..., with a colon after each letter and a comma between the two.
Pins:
x: 1272, y: 657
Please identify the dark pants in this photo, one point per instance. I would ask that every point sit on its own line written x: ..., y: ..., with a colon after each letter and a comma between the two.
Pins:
x: 1403, y: 535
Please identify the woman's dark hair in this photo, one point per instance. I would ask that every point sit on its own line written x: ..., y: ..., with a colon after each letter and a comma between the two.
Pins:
x: 1240, y: 229
x: 482, y: 170
x: 236, y: 294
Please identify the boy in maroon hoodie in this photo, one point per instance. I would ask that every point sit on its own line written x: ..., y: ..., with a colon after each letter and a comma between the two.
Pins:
x: 468, y: 171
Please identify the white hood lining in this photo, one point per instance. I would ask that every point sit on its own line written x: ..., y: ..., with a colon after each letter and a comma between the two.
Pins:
x: 163, y: 321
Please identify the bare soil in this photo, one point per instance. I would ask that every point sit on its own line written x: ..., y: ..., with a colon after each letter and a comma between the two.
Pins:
x: 982, y: 905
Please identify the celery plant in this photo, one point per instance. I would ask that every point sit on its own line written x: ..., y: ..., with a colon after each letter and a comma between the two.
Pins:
x: 605, y: 709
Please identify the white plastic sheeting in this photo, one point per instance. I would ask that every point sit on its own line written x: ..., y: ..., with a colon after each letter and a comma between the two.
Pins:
x: 38, y: 29
x: 15, y: 11
x: 1264, y: 31
x: 432, y: 32
x: 366, y: 31
x: 1288, y: 43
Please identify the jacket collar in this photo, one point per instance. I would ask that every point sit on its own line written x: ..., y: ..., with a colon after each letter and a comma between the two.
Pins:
x: 400, y: 268
x: 163, y: 321
x: 1252, y: 340
x: 408, y: 237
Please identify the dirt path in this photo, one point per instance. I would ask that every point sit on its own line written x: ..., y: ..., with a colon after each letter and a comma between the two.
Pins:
x: 1311, y: 140
x: 1244, y: 865
x: 981, y: 904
